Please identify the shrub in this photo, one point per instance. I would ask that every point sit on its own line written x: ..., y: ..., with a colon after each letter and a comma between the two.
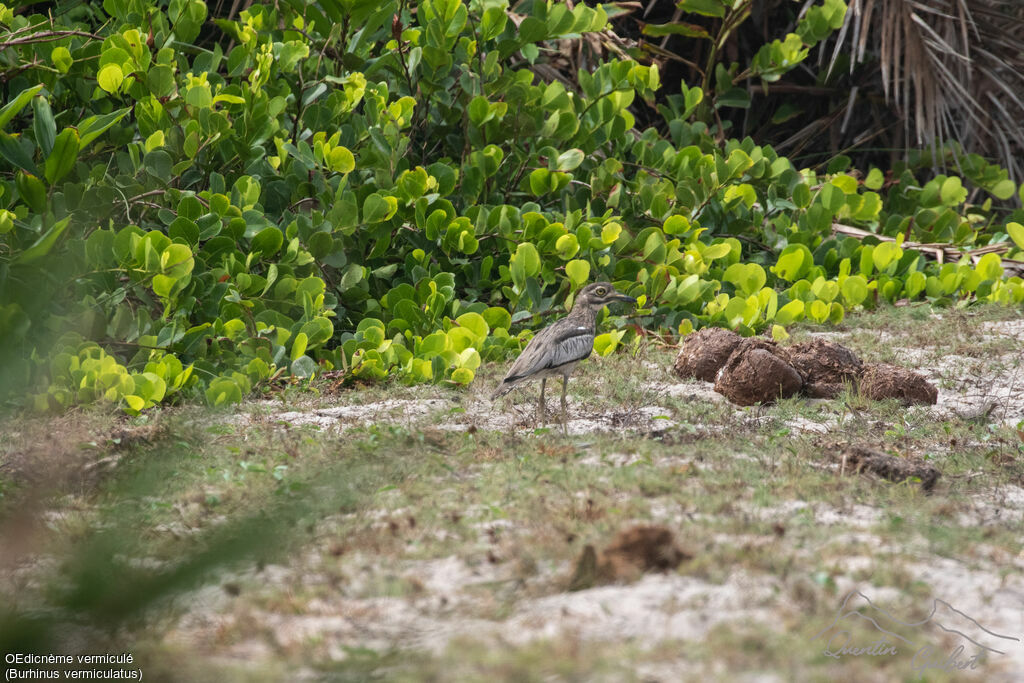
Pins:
x: 350, y: 185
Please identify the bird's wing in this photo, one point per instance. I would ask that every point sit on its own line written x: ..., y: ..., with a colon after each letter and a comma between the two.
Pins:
x: 573, y: 344
x: 552, y: 347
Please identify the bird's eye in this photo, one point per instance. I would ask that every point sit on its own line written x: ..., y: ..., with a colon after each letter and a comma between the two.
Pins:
x: 601, y: 291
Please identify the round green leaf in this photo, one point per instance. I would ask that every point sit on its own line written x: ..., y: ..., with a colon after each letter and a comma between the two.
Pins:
x: 340, y: 160
x: 268, y: 242
x: 462, y: 376
x: 610, y: 232
x: 567, y: 246
x: 303, y: 366
x: 61, y: 58
x: 498, y: 318
x: 578, y: 272
x: 475, y: 323
x: 110, y: 78
x: 855, y: 290
x: 1016, y: 232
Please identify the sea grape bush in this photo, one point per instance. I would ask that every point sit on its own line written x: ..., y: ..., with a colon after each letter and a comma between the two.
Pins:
x: 196, y: 205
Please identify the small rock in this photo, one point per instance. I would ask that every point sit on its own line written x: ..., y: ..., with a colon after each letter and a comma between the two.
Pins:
x: 704, y: 352
x: 758, y: 371
x: 881, y: 381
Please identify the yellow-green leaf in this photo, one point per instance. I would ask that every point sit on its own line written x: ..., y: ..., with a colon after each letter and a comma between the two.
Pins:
x: 110, y: 78
x: 578, y: 272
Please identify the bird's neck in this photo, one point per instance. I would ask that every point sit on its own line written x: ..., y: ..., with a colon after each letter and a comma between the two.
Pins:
x: 584, y: 315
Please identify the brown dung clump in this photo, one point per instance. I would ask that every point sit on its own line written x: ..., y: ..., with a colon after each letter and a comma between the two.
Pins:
x: 704, y: 352
x: 634, y: 551
x: 891, y: 467
x: 825, y: 366
x: 758, y: 371
x: 881, y: 381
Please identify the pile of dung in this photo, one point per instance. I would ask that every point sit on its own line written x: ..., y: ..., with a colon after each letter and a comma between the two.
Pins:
x: 889, y: 381
x: 757, y: 370
x: 634, y: 551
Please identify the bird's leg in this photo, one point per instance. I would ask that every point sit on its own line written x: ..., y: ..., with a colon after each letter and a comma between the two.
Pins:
x: 540, y: 406
x: 565, y: 382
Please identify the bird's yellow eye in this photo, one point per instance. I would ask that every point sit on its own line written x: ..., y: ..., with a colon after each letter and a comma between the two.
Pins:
x: 601, y: 291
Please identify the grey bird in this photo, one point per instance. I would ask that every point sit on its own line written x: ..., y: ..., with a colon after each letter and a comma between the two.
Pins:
x: 557, y: 349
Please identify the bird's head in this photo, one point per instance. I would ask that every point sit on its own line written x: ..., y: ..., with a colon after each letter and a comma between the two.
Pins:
x: 598, y: 295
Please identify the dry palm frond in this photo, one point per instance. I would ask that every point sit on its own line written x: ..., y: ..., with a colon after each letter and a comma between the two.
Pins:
x: 952, y: 68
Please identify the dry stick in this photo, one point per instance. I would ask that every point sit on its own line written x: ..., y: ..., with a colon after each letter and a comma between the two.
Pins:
x: 939, y: 251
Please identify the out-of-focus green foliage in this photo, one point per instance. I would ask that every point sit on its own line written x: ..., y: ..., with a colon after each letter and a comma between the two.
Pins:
x: 188, y: 206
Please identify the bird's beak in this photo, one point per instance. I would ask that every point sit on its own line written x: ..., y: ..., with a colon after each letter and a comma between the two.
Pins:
x: 623, y: 297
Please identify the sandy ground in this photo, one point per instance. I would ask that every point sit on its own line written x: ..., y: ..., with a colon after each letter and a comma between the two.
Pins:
x: 451, y: 595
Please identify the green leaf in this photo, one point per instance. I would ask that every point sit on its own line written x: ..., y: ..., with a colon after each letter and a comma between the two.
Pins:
x: 855, y: 290
x: 12, y: 108
x: 340, y: 160
x: 884, y: 254
x: 304, y: 366
x: 12, y: 150
x: 610, y: 232
x: 794, y: 262
x: 832, y: 198
x: 749, y: 278
x: 569, y: 160
x: 790, y: 313
x: 268, y: 242
x: 874, y: 180
x: 539, y: 183
x: 989, y: 267
x: 475, y: 323
x: 802, y: 195
x: 479, y: 110
x: 819, y: 311
x: 160, y: 80
x: 462, y: 376
x: 527, y: 255
x: 176, y: 260
x: 163, y: 285
x: 498, y: 318
x: 952, y: 191
x: 61, y: 58
x: 708, y: 8
x: 604, y: 344
x: 678, y: 28
x: 42, y: 124
x: 567, y: 246
x: 32, y: 191
x: 223, y: 391
x: 42, y: 246
x: 110, y: 78
x: 93, y: 126
x: 578, y: 272
x: 299, y: 344
x: 1016, y: 232
x: 378, y: 208
x: 532, y: 30
x: 63, y: 156
x: 716, y: 251
x: 1004, y: 189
